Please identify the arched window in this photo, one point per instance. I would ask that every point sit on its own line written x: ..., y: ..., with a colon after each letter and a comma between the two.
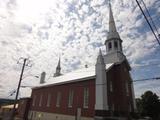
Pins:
x: 70, y: 99
x: 111, y: 86
x: 109, y: 46
x: 58, y: 101
x: 86, y: 97
x: 127, y: 89
x: 40, y: 101
x: 115, y: 44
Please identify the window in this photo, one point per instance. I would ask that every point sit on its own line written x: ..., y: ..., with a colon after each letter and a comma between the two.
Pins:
x: 58, y: 99
x: 112, y: 108
x: 31, y: 115
x: 40, y: 101
x: 125, y: 69
x: 127, y: 90
x: 22, y: 102
x: 49, y: 100
x: 115, y: 44
x: 130, y: 108
x: 121, y: 46
x: 86, y: 98
x: 111, y: 86
x: 70, y: 99
x: 109, y: 45
x: 34, y: 100
x: 35, y: 114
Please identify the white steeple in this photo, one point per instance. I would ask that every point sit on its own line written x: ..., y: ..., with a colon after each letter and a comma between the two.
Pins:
x: 100, y: 59
x: 58, y: 69
x: 112, y: 27
x: 101, y: 84
x: 113, y: 43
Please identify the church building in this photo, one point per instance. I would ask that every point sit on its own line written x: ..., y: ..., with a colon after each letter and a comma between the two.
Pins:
x: 101, y: 92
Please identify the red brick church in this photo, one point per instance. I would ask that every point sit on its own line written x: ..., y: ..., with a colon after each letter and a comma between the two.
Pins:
x: 102, y: 92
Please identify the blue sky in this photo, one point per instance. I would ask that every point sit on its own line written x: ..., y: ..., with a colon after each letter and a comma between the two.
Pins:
x: 75, y: 29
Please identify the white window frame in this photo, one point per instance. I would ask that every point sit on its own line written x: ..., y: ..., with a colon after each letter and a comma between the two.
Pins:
x: 86, y: 97
x: 130, y: 108
x: 70, y: 98
x: 127, y: 89
x: 113, y: 107
x: 111, y: 86
x: 40, y: 100
x: 58, y: 99
x: 34, y: 100
x: 48, y: 100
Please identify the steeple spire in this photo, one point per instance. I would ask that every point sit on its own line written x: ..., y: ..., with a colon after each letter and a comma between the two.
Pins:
x: 100, y: 57
x: 100, y: 52
x: 59, y: 63
x: 112, y: 27
x: 58, y: 69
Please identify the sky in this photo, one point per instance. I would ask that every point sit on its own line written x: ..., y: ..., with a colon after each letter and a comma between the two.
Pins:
x: 43, y: 30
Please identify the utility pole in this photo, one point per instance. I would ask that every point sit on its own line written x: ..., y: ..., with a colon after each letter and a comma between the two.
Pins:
x: 19, y: 84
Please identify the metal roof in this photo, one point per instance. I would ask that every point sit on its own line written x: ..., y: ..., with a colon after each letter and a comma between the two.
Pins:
x: 75, y: 76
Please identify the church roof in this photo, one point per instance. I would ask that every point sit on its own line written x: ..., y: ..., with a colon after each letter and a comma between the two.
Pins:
x: 75, y: 76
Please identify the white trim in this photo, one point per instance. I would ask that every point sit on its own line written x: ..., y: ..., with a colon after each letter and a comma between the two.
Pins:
x: 127, y: 88
x: 58, y: 99
x: 85, y: 97
x: 111, y: 86
x: 34, y: 100
x: 48, y: 100
x: 70, y: 98
x: 101, y: 97
x: 40, y: 100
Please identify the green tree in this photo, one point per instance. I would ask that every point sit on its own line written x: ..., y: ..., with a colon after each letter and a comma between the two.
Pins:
x: 139, y: 105
x: 149, y: 105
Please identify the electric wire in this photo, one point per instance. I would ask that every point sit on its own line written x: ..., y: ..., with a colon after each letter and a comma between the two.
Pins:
x: 148, y: 22
x: 147, y: 65
x: 147, y: 79
x: 150, y: 17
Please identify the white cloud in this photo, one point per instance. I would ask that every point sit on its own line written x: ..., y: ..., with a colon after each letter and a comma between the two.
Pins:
x: 43, y: 30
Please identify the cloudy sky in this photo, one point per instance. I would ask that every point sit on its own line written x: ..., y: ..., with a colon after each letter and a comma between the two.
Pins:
x: 43, y: 30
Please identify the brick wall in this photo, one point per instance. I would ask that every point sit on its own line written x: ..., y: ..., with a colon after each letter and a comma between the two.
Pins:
x: 77, y: 87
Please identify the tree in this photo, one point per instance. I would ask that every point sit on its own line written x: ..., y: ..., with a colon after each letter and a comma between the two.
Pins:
x: 139, y: 105
x: 149, y: 105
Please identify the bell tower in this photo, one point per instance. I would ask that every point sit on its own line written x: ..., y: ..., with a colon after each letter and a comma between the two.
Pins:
x: 114, y: 52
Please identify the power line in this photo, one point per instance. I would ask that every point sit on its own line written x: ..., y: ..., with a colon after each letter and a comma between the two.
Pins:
x: 154, y: 78
x: 150, y: 17
x: 147, y: 65
x: 148, y: 22
x: 12, y: 93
